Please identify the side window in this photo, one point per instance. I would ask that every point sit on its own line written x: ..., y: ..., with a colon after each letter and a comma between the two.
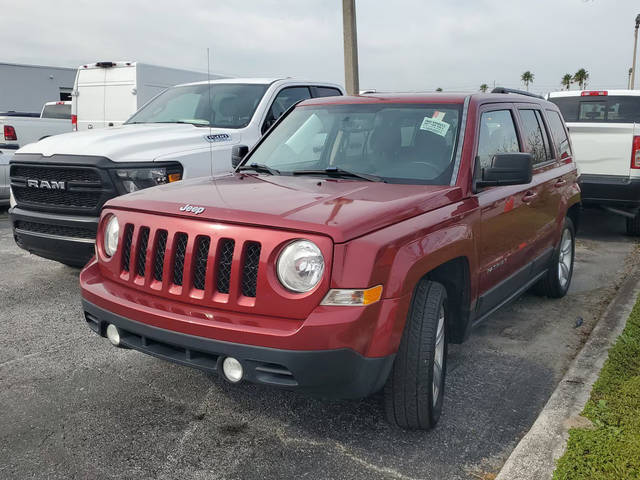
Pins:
x: 534, y: 136
x: 285, y: 98
x: 326, y: 92
x: 545, y: 135
x: 497, y: 135
x: 559, y: 134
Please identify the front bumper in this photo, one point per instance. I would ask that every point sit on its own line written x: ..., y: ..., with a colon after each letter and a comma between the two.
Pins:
x: 341, y: 373
x: 337, y: 352
x: 69, y: 239
x: 610, y: 190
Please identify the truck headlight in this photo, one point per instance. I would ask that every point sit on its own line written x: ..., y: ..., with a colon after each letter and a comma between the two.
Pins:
x: 300, y: 266
x: 133, y: 179
x: 111, y: 234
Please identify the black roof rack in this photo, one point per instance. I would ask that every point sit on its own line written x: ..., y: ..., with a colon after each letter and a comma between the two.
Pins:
x: 513, y: 90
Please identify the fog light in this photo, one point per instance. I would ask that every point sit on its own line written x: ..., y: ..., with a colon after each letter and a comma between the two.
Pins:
x: 232, y: 369
x: 113, y: 334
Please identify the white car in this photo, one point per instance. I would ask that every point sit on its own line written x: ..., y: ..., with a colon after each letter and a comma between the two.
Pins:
x: 5, y: 157
x: 19, y: 129
x: 61, y: 183
x: 604, y: 126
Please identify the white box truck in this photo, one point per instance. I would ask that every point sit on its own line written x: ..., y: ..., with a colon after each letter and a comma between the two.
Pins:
x: 105, y: 94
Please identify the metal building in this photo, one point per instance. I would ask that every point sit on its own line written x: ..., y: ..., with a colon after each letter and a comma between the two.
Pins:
x: 25, y: 88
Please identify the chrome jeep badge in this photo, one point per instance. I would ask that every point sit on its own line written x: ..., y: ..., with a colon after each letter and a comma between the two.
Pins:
x: 192, y: 209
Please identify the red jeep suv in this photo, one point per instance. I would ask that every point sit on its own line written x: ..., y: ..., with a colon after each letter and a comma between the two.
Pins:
x: 351, y: 245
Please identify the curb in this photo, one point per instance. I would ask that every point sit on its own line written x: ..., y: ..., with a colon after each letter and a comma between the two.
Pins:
x: 536, y: 454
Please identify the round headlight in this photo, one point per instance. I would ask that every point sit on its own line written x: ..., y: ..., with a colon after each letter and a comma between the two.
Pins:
x: 111, y: 233
x: 300, y: 266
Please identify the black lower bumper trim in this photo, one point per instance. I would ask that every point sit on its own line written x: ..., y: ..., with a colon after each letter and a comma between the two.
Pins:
x: 613, y: 190
x: 341, y: 373
x: 65, y: 238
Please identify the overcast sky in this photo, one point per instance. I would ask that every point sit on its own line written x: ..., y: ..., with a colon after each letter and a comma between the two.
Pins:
x: 403, y: 44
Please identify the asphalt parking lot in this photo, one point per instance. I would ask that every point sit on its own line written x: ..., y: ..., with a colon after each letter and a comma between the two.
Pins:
x: 72, y: 406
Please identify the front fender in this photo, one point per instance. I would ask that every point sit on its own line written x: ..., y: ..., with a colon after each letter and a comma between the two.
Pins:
x: 398, y: 256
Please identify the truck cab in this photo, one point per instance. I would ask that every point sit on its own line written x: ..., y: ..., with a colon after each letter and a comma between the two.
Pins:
x: 61, y: 183
x: 352, y: 244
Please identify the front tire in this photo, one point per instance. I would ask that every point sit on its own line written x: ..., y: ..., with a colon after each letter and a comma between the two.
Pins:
x: 556, y: 282
x: 414, y: 392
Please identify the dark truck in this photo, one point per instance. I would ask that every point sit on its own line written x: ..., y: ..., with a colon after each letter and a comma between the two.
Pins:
x: 358, y: 239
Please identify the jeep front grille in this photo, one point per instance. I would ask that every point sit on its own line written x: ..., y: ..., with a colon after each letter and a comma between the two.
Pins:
x: 189, y: 260
x: 195, y: 266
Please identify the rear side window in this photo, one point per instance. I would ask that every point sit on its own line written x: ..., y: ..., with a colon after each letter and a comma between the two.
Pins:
x: 559, y: 134
x: 534, y: 136
x: 497, y: 135
x: 605, y: 109
x: 58, y: 110
x: 326, y: 92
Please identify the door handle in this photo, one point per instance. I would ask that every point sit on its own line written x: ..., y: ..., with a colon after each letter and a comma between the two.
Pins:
x: 529, y: 196
x: 560, y: 183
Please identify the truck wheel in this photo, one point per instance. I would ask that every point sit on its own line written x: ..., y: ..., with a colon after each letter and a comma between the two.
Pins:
x: 414, y: 391
x: 557, y: 280
x: 633, y: 225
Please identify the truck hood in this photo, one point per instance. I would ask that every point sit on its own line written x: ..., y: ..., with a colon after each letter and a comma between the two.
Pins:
x: 341, y: 209
x: 132, y: 143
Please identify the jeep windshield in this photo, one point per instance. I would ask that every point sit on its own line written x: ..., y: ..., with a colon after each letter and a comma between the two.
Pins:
x: 219, y: 105
x: 395, y: 143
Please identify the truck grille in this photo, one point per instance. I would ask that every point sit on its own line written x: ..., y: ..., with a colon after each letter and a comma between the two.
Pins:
x: 84, y: 188
x: 189, y: 260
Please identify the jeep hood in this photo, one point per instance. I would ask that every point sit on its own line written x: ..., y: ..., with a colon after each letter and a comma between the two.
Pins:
x: 342, y: 209
x: 132, y: 143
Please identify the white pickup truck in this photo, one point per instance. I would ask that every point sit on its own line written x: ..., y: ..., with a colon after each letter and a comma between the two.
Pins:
x: 604, y: 126
x: 19, y: 129
x: 60, y: 184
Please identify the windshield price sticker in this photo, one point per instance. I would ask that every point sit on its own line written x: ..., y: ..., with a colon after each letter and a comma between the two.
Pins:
x: 435, y: 125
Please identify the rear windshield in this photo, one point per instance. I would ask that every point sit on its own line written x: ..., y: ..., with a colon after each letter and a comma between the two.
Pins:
x: 62, y: 111
x: 604, y: 109
x: 220, y: 105
x: 400, y: 143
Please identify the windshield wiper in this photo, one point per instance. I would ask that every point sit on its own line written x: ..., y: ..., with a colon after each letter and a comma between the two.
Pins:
x: 340, y: 172
x: 260, y: 168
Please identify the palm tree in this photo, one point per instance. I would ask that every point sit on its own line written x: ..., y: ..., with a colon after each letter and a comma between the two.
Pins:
x: 566, y: 81
x: 484, y: 87
x: 527, y: 78
x: 581, y: 77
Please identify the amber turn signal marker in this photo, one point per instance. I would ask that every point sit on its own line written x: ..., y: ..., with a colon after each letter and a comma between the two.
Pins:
x: 346, y: 297
x: 174, y: 177
x: 372, y: 295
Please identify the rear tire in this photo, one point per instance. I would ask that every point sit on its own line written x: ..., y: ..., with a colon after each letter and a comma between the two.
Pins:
x: 414, y: 391
x: 633, y: 225
x: 557, y: 280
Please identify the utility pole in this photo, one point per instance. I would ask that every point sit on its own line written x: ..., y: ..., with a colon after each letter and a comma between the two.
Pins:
x: 349, y: 31
x: 629, y: 79
x: 635, y: 48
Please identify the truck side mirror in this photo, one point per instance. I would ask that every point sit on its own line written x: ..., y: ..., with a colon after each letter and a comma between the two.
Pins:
x: 238, y: 152
x: 507, y: 169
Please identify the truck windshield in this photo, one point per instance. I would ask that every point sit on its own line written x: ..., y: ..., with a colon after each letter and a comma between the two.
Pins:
x: 232, y: 105
x: 398, y: 143
x: 599, y: 109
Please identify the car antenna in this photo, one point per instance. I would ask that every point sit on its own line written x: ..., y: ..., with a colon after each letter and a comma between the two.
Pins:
x: 210, y: 114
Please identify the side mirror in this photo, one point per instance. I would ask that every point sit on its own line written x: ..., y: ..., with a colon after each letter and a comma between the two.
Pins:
x: 507, y: 169
x: 238, y: 152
